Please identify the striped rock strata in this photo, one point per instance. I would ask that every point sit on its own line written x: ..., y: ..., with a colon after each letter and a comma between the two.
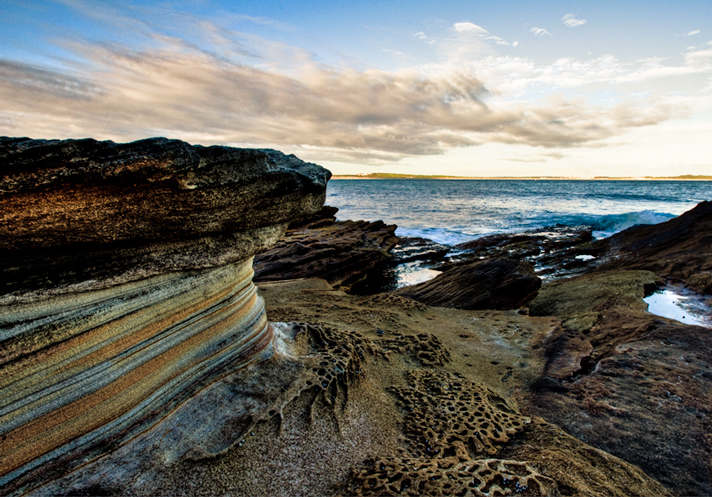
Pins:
x: 126, y: 286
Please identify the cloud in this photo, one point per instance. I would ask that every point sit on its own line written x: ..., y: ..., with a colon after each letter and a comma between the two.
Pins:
x: 571, y: 21
x: 497, y: 40
x: 468, y: 27
x: 695, y: 32
x: 268, y: 94
x: 516, y: 43
x: 539, y: 31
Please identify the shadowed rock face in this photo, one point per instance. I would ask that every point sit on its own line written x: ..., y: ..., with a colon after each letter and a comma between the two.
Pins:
x: 488, y: 284
x: 126, y: 285
x: 341, y: 252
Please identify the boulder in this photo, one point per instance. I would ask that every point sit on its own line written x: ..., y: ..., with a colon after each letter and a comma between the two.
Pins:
x: 497, y: 283
x: 126, y: 286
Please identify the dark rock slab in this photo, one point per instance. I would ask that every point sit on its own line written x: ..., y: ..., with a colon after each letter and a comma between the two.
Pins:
x: 554, y: 251
x: 341, y: 252
x: 679, y: 249
x: 488, y: 284
x: 418, y: 249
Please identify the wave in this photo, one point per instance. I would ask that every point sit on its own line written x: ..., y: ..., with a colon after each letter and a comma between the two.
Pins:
x: 602, y: 225
x: 609, y: 224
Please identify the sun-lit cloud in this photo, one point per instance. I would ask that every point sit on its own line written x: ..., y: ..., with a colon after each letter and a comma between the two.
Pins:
x: 692, y: 33
x: 468, y: 27
x: 226, y: 87
x: 539, y: 31
x: 570, y: 21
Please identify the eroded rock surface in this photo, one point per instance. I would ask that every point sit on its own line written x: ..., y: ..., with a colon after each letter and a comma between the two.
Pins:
x: 126, y: 286
x: 488, y: 284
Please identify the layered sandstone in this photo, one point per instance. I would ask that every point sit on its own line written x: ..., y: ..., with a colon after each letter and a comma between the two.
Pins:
x: 126, y: 273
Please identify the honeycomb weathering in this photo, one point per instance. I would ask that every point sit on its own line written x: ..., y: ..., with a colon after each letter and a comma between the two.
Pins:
x: 483, y: 477
x: 443, y: 409
x: 450, y: 424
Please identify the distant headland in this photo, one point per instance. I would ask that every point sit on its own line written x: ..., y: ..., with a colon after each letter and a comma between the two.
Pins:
x: 684, y: 177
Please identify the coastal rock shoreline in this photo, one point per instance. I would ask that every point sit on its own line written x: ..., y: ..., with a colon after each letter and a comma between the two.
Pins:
x: 141, y: 360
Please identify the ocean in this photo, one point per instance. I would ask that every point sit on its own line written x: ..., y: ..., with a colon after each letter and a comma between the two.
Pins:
x: 455, y: 211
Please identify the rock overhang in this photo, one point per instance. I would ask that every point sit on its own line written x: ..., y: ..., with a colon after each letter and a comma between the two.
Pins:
x: 126, y: 285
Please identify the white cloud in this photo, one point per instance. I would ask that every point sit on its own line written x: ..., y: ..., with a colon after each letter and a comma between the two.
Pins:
x: 695, y: 32
x: 462, y: 27
x: 571, y: 21
x: 539, y: 31
x: 516, y: 43
x: 273, y: 95
x: 497, y: 40
x: 420, y: 35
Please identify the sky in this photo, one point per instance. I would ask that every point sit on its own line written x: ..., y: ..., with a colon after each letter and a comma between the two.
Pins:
x: 465, y: 88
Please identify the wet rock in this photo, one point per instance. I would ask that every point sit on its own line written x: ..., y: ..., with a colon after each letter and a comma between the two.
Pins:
x: 342, y: 252
x: 418, y: 249
x: 554, y: 252
x: 487, y: 284
x: 679, y: 249
x: 126, y: 286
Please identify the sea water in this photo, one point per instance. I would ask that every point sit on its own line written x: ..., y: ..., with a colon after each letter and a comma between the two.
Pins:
x: 455, y: 211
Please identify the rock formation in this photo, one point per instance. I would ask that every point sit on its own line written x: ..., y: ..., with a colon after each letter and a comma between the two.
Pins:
x: 341, y: 252
x: 499, y: 283
x: 126, y: 285
x: 679, y: 249
x: 631, y: 383
x: 136, y: 358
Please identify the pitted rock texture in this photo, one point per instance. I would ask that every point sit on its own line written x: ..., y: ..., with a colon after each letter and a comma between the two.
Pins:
x: 426, y: 348
x: 447, y: 415
x: 75, y: 210
x: 341, y: 252
x: 450, y: 424
x: 126, y: 286
x: 488, y: 284
x: 481, y: 478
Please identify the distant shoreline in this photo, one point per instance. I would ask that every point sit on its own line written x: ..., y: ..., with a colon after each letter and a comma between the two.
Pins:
x: 389, y: 176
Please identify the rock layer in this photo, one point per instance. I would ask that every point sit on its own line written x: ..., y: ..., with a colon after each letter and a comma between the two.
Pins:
x: 679, y: 249
x: 341, y: 252
x: 127, y: 285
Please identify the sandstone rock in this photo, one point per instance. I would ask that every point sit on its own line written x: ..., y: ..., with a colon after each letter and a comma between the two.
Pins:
x: 679, y: 249
x: 126, y: 286
x: 78, y: 210
x: 487, y: 284
x: 342, y: 410
x: 626, y: 381
x: 341, y: 252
